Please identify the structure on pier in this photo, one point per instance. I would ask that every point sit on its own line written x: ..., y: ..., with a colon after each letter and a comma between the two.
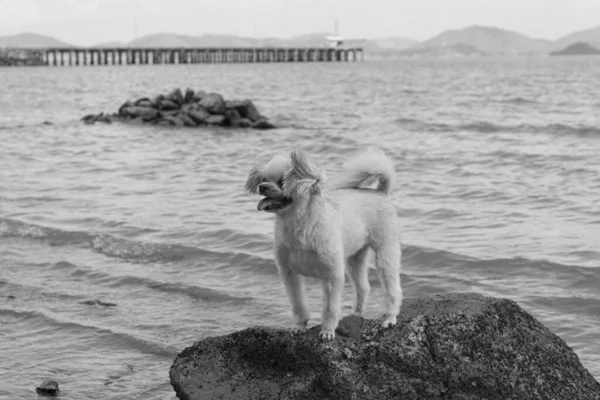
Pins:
x: 131, y: 56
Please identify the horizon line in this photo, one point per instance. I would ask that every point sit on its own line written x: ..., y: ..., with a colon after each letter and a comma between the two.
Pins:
x: 125, y: 41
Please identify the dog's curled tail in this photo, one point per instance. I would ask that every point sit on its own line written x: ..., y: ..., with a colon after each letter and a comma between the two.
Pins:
x: 364, y: 169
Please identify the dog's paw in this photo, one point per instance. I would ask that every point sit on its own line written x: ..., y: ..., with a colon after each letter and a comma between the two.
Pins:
x: 298, y: 330
x: 327, y: 334
x: 389, y: 322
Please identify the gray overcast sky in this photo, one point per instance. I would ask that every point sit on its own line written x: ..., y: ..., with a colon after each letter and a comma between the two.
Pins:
x: 85, y: 22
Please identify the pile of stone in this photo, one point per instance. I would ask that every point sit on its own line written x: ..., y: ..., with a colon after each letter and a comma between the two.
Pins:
x: 187, y: 108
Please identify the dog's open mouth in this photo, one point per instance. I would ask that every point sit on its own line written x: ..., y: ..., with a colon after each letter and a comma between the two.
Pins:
x: 273, y: 203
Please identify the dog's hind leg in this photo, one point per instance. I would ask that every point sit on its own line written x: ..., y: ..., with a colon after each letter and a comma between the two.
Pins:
x: 294, y: 286
x: 358, y: 271
x: 387, y: 262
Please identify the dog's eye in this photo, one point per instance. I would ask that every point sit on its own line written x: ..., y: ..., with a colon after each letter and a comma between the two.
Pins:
x: 280, y: 183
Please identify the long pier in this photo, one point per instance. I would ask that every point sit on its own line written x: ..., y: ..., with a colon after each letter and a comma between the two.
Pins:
x: 142, y: 56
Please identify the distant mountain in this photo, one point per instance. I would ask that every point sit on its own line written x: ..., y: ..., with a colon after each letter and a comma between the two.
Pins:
x: 31, y: 40
x: 452, y: 50
x: 577, y: 49
x: 591, y: 36
x: 178, y: 40
x: 393, y: 43
x: 387, y: 47
x: 487, y: 40
x: 111, y: 44
x: 384, y: 47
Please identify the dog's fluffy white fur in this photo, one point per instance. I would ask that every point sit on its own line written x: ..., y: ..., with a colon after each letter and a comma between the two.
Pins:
x: 324, y: 230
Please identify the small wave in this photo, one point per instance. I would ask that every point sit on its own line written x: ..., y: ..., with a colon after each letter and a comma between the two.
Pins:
x: 14, y: 228
x: 19, y: 126
x: 97, y: 303
x: 105, y: 244
x: 435, y: 259
x: 195, y: 292
x: 483, y: 127
x: 142, y: 252
x: 489, y: 127
x: 125, y: 339
x: 519, y: 101
x: 414, y: 91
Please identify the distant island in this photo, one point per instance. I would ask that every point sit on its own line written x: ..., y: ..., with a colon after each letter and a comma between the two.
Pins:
x: 577, y: 49
x: 471, y: 41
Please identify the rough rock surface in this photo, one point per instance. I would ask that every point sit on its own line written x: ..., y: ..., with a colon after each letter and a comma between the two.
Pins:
x: 189, y: 109
x: 457, y: 346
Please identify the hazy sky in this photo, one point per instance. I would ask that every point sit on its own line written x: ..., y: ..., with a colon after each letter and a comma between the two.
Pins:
x: 85, y: 22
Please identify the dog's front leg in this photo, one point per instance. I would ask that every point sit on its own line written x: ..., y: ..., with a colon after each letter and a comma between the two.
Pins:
x: 294, y: 285
x: 333, y: 286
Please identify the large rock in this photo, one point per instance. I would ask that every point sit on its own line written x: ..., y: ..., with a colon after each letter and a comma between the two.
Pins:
x: 168, y: 105
x: 216, y: 120
x: 176, y: 96
x: 457, y: 346
x: 199, y: 114
x: 144, y: 102
x: 187, y: 120
x: 189, y: 96
x: 263, y: 124
x: 214, y: 103
x: 123, y: 109
x: 246, y: 109
x: 199, y: 95
x: 147, y: 113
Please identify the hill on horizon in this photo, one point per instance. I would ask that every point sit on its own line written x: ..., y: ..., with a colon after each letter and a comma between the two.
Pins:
x: 468, y: 41
x: 308, y: 40
x: 489, y: 40
x: 29, y: 40
x: 590, y: 36
x: 209, y: 40
x: 452, y: 50
x: 577, y: 49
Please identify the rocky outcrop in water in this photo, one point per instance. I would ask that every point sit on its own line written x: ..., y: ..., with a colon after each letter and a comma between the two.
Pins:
x: 187, y: 108
x: 48, y: 388
x: 458, y: 346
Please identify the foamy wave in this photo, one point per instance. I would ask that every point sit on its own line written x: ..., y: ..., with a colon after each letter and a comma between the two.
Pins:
x: 56, y: 237
x: 144, y: 252
x: 11, y: 228
x: 132, y: 250
x: 106, y: 244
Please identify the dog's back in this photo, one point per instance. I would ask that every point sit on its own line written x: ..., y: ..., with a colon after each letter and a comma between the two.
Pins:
x: 367, y: 215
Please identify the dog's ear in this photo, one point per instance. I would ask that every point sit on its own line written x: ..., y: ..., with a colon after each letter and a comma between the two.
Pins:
x: 255, y: 178
x: 304, y: 177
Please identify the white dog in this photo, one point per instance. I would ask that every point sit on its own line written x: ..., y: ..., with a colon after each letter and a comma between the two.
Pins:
x: 324, y: 231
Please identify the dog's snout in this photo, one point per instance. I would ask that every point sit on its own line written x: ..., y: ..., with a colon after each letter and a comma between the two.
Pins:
x: 262, y: 188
